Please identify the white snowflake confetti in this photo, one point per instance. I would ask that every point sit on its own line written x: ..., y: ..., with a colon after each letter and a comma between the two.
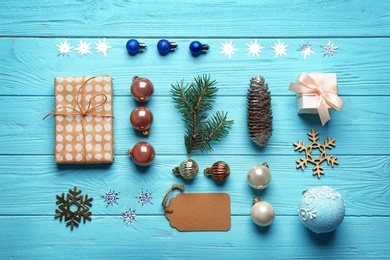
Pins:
x: 144, y: 197
x: 64, y: 48
x: 254, y: 48
x: 280, y: 49
x: 306, y: 49
x: 329, y: 49
x: 83, y: 48
x: 228, y: 49
x: 102, y: 47
x: 110, y: 197
x: 128, y: 216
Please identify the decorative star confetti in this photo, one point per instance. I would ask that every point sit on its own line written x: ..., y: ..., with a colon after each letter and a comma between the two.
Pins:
x: 128, y: 216
x: 329, y: 49
x: 228, y: 49
x: 102, y: 47
x: 144, y: 197
x: 254, y: 48
x: 83, y: 48
x: 110, y: 198
x: 280, y: 49
x: 306, y: 49
x: 64, y: 48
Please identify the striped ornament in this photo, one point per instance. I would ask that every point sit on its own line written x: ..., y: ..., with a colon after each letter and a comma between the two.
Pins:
x: 220, y: 171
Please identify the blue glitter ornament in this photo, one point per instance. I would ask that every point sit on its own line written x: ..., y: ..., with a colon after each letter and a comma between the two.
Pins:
x: 133, y: 46
x: 164, y: 46
x: 321, y: 209
x: 197, y: 48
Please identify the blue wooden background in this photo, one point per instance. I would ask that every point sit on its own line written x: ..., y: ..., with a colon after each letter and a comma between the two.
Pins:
x: 30, y: 180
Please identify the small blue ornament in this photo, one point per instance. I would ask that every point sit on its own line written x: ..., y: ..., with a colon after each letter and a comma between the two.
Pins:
x: 133, y: 46
x: 197, y: 48
x: 164, y: 46
x: 321, y: 209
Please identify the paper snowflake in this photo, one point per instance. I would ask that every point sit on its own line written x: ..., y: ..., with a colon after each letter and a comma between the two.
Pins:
x: 254, y: 48
x: 64, y: 48
x: 280, y: 49
x: 128, y: 216
x: 329, y: 49
x: 65, y: 211
x: 328, y: 144
x: 228, y: 49
x: 102, y: 47
x: 110, y: 198
x: 83, y: 48
x: 306, y: 49
x: 144, y: 197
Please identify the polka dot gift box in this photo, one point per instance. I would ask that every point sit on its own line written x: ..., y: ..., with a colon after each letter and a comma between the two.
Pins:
x: 84, y: 120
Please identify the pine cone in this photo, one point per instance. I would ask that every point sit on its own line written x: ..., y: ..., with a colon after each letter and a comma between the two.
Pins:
x: 259, y: 111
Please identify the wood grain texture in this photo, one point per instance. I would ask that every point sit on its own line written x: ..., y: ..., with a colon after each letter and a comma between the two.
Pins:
x: 30, y: 180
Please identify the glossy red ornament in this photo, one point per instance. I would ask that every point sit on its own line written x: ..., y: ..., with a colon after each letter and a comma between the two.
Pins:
x: 220, y: 171
x: 142, y: 89
x: 142, y: 153
x: 142, y: 118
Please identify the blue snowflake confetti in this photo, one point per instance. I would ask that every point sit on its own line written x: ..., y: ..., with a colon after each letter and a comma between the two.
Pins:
x: 144, y: 197
x: 128, y: 216
x: 110, y: 198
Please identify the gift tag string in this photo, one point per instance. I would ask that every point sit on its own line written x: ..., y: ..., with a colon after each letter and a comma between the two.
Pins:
x: 166, y: 197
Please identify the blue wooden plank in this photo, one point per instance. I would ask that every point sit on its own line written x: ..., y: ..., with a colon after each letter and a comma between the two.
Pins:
x: 203, y: 19
x: 29, y: 65
x: 152, y: 238
x: 31, y: 186
x: 23, y: 124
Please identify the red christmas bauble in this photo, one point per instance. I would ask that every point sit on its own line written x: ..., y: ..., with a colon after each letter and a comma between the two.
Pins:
x: 142, y: 118
x: 142, y: 89
x: 142, y: 153
x: 220, y: 171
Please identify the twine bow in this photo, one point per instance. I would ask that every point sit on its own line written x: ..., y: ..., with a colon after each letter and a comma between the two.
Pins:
x: 91, y: 109
x: 324, y: 86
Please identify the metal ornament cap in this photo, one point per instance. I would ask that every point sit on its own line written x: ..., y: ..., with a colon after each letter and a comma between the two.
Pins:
x: 197, y: 48
x: 259, y: 176
x: 133, y: 46
x: 188, y: 169
x: 164, y: 46
x: 262, y: 213
x: 142, y: 153
x: 142, y: 119
x: 142, y: 89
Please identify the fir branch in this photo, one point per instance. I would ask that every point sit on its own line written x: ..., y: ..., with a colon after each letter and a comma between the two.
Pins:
x: 193, y: 101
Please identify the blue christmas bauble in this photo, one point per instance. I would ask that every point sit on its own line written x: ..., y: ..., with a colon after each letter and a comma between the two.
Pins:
x: 132, y: 46
x: 163, y: 46
x: 321, y: 209
x: 195, y: 48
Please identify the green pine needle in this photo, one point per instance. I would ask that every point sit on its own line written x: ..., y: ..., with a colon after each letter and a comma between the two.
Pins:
x: 193, y: 101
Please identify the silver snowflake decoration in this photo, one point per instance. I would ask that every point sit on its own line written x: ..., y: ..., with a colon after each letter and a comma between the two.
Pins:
x: 254, y: 48
x: 144, y: 197
x: 280, y: 49
x: 102, y: 47
x: 128, y: 216
x: 83, y: 48
x: 110, y: 198
x: 329, y: 49
x: 228, y: 49
x: 306, y: 49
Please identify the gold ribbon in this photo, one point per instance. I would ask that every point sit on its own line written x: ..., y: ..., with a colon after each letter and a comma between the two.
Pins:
x: 80, y: 111
x: 324, y: 86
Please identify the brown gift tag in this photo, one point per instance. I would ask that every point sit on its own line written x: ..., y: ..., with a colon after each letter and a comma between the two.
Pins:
x: 198, y: 211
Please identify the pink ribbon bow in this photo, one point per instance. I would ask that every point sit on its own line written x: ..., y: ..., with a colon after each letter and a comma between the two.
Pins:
x: 324, y: 86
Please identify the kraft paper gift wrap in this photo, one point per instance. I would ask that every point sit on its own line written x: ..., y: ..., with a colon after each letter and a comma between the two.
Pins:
x: 83, y: 120
x: 317, y: 93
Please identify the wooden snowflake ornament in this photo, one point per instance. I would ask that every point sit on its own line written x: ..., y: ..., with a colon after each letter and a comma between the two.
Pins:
x: 328, y: 144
